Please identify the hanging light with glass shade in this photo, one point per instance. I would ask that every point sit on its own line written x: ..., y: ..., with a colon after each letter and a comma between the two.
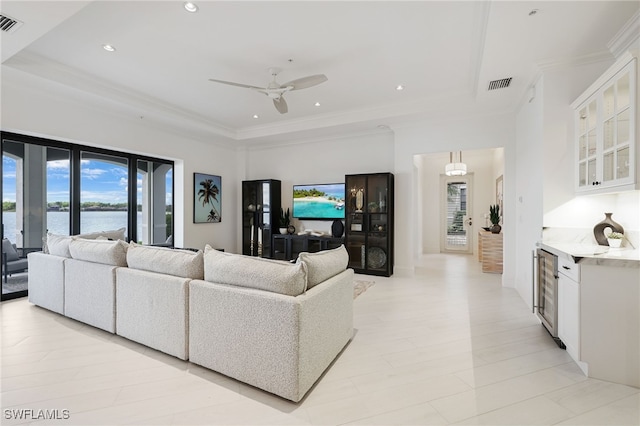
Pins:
x: 457, y: 168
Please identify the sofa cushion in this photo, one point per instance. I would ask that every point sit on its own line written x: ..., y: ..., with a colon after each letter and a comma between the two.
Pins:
x: 115, y: 234
x: 58, y: 245
x: 254, y: 272
x: 99, y: 251
x: 179, y: 263
x: 9, y: 250
x: 324, y: 264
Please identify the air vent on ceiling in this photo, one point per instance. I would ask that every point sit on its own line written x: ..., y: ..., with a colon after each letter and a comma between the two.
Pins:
x: 499, y: 84
x: 9, y: 25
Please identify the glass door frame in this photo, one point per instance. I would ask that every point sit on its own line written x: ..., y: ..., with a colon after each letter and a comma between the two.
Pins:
x: 467, y: 219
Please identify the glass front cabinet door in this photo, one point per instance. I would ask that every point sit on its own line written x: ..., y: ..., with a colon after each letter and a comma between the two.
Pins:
x: 369, y: 223
x: 605, y: 131
x: 260, y: 216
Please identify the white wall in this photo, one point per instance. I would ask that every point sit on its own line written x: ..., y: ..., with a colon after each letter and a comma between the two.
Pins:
x: 34, y: 106
x: 529, y: 178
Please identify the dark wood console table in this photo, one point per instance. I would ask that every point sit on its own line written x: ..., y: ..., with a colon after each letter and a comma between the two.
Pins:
x: 287, y: 247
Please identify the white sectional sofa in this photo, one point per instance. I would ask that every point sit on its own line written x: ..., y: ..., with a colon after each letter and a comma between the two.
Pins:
x: 271, y: 324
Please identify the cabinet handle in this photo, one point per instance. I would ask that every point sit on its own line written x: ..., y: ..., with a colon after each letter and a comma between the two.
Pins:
x: 566, y: 267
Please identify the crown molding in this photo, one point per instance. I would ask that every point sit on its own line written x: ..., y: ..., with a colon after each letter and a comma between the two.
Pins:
x: 626, y: 37
x: 591, y: 58
x: 58, y: 73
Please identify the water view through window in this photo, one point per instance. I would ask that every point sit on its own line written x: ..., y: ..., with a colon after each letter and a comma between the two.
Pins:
x: 66, y: 189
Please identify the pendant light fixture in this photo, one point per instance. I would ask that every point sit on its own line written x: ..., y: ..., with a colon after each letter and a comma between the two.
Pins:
x: 457, y: 168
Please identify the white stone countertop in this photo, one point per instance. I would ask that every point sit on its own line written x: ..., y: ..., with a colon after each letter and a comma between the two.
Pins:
x: 592, y: 254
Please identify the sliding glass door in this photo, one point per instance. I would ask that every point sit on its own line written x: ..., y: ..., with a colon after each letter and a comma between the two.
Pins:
x: 36, y: 199
x: 68, y: 189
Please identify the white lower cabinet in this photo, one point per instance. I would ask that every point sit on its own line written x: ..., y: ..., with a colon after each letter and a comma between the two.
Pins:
x: 569, y: 309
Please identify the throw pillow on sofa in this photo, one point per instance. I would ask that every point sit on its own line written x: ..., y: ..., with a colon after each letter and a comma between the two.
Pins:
x: 254, y: 272
x: 324, y: 264
x: 57, y: 245
x: 179, y: 263
x: 99, y: 251
x: 115, y: 234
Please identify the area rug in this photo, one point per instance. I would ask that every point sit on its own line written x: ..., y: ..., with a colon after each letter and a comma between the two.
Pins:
x: 16, y: 282
x: 360, y: 286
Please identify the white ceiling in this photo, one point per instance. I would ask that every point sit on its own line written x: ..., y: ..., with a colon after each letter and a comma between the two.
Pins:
x: 443, y: 52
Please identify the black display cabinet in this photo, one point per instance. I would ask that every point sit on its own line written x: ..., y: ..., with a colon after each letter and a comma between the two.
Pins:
x: 261, y: 202
x: 369, y: 223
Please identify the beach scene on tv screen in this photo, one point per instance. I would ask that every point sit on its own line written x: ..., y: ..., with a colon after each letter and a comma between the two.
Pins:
x: 324, y: 201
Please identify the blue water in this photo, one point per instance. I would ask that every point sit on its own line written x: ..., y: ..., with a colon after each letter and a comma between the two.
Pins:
x: 58, y: 222
x: 316, y: 209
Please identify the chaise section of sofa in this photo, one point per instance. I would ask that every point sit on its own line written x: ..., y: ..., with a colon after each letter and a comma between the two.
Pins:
x: 152, y: 297
x: 281, y: 343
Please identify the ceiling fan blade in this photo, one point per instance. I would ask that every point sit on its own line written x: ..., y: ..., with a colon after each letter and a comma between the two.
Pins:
x: 304, y: 82
x: 281, y: 105
x: 236, y: 84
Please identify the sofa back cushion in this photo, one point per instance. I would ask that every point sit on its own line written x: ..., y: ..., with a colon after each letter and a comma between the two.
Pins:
x: 324, y: 264
x: 99, y: 251
x: 179, y: 263
x: 254, y: 272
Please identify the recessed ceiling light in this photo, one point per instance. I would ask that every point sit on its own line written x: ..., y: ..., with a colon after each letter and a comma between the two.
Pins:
x: 399, y: 87
x: 317, y: 104
x: 108, y: 48
x: 255, y: 116
x: 190, y: 7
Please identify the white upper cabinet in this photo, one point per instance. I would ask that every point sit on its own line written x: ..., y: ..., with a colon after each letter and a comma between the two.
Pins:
x: 606, y: 140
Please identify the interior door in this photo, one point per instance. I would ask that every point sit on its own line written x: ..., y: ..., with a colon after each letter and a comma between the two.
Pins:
x: 455, y: 213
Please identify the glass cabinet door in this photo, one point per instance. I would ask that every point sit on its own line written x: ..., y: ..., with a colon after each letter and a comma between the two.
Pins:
x: 616, y: 129
x: 369, y: 224
x: 605, y: 133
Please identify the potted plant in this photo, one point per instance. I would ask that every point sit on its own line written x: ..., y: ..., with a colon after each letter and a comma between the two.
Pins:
x: 494, y: 217
x: 615, y: 239
x: 284, y: 220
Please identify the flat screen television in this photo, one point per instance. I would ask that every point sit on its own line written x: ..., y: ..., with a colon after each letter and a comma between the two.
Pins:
x: 323, y: 201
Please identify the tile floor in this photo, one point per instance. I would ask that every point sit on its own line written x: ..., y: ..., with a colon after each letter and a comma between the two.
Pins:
x: 447, y: 346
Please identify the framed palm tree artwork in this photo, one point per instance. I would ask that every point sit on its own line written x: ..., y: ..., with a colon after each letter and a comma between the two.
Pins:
x: 207, y: 198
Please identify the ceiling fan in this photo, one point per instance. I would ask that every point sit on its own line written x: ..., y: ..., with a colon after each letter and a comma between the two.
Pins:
x: 276, y: 90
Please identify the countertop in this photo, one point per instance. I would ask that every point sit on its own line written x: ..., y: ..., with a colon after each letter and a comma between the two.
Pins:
x: 592, y: 254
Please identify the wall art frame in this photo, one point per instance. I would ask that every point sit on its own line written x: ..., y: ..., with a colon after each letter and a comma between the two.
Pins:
x: 207, y: 198
x: 500, y: 193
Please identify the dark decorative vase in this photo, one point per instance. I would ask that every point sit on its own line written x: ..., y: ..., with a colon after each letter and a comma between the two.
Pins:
x: 495, y: 229
x: 337, y: 228
x: 598, y: 230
